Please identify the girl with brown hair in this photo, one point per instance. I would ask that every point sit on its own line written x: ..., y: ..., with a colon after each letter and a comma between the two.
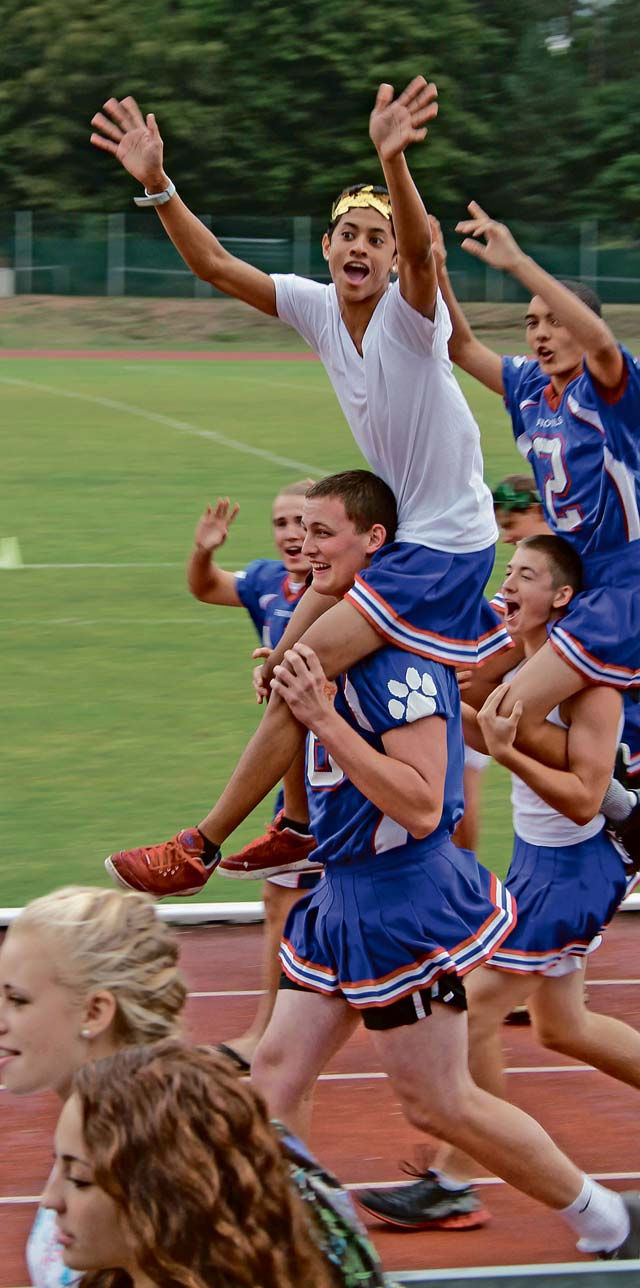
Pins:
x: 168, y: 1171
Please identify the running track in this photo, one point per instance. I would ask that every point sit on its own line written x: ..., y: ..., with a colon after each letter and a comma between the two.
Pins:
x: 358, y: 1128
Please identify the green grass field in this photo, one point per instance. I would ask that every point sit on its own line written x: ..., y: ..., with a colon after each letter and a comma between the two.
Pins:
x: 126, y: 702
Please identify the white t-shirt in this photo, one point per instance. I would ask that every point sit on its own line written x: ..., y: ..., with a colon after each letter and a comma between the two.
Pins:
x: 535, y: 821
x: 405, y: 409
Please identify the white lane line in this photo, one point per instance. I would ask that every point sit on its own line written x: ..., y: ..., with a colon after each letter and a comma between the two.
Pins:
x: 601, y: 983
x: 20, y: 1198
x: 379, y: 1185
x: 182, y: 426
x: 516, y: 1068
x: 377, y: 1075
x: 488, y: 1180
x: 179, y: 564
x: 230, y: 992
x: 115, y: 621
x: 247, y: 992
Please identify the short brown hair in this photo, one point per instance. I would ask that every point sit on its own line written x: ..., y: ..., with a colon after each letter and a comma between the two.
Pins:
x: 565, y: 565
x: 367, y: 499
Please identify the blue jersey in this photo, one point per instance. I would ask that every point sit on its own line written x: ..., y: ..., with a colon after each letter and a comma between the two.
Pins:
x: 388, y: 689
x: 584, y: 449
x: 269, y: 597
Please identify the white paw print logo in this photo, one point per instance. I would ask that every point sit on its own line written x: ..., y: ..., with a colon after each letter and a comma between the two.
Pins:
x: 415, y: 697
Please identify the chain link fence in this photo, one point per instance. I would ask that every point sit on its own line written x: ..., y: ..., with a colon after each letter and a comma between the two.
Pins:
x: 44, y: 253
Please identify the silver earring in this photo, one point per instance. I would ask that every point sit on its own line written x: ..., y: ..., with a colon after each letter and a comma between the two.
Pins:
x: 85, y: 1033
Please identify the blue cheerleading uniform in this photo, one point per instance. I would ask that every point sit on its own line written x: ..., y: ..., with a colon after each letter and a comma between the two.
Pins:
x: 584, y: 450
x: 269, y: 596
x: 394, y: 913
x: 567, y: 880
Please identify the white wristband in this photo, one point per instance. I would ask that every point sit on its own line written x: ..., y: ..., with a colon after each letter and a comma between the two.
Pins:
x: 156, y: 198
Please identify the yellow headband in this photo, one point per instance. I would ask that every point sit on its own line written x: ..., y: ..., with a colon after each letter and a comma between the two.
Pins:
x: 380, y: 201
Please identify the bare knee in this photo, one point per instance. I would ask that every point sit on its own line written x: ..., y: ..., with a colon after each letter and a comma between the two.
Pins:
x: 273, y: 902
x: 556, y: 1036
x: 438, y: 1111
x: 273, y: 1076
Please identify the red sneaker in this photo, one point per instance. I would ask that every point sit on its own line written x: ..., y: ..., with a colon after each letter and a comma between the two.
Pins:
x: 173, y: 868
x: 279, y: 850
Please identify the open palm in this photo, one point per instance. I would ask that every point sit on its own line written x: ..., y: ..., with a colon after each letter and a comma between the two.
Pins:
x: 121, y: 129
x: 396, y: 122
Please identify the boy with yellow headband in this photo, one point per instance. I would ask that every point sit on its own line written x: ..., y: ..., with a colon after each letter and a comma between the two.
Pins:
x: 384, y: 346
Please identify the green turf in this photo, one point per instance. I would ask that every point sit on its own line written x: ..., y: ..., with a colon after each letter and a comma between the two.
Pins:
x: 126, y: 702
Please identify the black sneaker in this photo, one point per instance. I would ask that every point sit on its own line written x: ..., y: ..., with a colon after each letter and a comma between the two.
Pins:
x: 425, y: 1205
x: 630, y: 1249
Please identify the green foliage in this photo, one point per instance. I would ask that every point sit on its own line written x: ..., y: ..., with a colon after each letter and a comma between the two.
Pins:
x: 264, y: 105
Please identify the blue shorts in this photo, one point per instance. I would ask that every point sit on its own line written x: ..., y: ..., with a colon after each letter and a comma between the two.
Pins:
x: 631, y: 734
x: 377, y: 930
x: 599, y: 636
x: 431, y: 602
x: 566, y: 895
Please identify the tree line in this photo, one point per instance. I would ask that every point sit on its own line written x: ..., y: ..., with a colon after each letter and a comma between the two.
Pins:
x: 263, y: 104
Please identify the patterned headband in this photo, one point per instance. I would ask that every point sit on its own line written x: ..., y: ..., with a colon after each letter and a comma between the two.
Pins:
x: 365, y: 196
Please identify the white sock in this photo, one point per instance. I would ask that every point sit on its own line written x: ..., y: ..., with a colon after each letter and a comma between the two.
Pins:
x: 599, y: 1216
x: 449, y: 1182
x: 618, y: 802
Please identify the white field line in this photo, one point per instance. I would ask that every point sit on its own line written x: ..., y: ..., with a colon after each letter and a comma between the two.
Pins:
x: 181, y: 426
x: 16, y: 1199
x: 176, y: 564
x: 114, y: 621
x: 167, y: 369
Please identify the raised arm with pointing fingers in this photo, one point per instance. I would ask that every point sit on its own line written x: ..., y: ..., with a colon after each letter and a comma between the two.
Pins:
x: 492, y: 242
x: 135, y: 141
x: 464, y: 347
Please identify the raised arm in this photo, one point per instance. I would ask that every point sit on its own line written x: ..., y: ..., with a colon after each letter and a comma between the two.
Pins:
x: 121, y: 129
x: 500, y: 250
x: 464, y: 347
x: 206, y: 581
x: 393, y: 125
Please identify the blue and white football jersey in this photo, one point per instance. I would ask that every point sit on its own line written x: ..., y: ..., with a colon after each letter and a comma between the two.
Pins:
x: 269, y: 597
x: 388, y: 689
x: 584, y: 450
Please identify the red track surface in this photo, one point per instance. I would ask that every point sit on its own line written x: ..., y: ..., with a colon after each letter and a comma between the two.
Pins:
x: 358, y: 1128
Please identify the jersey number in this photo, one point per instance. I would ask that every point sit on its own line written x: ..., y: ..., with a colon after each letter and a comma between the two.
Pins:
x: 556, y: 483
x: 322, y: 770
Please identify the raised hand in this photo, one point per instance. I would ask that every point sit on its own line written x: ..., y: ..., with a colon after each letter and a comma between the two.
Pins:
x: 395, y: 123
x: 121, y: 129
x: 499, y: 249
x: 499, y: 732
x: 213, y: 528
